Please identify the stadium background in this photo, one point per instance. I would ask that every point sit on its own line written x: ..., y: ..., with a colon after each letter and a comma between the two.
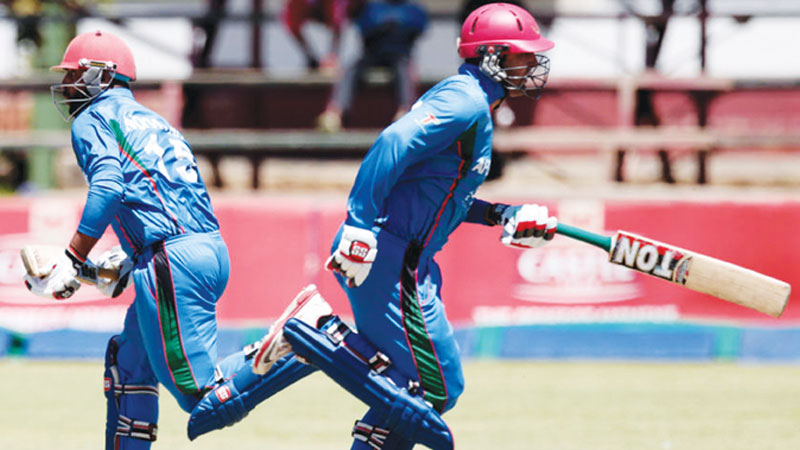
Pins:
x: 727, y: 116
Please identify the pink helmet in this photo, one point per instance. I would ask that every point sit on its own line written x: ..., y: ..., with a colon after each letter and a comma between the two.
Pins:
x: 501, y: 24
x: 99, y: 46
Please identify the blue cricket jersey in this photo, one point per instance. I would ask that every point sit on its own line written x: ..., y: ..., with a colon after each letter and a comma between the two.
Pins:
x: 142, y: 175
x: 419, y: 178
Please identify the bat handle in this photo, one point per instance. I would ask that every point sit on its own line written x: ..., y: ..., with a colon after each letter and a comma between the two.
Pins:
x: 108, y: 273
x: 598, y: 240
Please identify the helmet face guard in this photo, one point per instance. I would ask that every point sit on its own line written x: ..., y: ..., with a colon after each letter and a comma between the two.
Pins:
x: 495, y: 30
x: 88, y: 86
x: 530, y: 83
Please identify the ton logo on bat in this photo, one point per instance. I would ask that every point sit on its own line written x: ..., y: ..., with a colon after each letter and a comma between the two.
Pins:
x: 650, y: 257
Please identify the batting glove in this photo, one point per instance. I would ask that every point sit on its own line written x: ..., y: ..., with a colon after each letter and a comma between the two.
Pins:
x: 59, y: 283
x: 117, y: 260
x: 527, y: 226
x: 355, y: 255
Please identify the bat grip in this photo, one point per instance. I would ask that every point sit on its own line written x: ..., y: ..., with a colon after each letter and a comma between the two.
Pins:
x: 108, y: 273
x: 598, y: 240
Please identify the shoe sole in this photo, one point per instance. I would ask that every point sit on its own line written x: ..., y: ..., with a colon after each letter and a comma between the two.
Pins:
x: 271, y: 350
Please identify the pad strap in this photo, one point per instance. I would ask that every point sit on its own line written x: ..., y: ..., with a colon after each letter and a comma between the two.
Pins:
x: 127, y: 427
x: 134, y: 389
x: 339, y: 332
x: 373, y: 436
x: 113, y: 383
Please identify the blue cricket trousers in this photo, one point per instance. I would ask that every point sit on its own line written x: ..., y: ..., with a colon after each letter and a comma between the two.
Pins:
x: 171, y: 329
x: 399, y: 309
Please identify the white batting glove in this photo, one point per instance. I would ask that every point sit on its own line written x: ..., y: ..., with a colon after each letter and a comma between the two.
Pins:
x: 527, y: 226
x: 117, y: 260
x: 355, y: 255
x: 59, y: 283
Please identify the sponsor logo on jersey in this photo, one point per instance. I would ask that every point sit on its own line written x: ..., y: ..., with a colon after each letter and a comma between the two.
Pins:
x: 106, y: 384
x: 649, y: 257
x: 429, y: 119
x: 483, y: 165
x: 138, y: 122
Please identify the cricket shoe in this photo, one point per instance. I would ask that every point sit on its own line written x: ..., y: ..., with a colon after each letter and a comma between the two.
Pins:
x: 308, y: 306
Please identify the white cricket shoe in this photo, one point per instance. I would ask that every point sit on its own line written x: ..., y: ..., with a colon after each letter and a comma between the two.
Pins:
x: 307, y: 306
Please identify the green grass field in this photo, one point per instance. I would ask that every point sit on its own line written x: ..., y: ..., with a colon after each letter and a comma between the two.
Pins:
x: 507, y: 405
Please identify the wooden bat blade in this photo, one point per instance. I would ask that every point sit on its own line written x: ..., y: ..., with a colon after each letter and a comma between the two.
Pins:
x: 700, y: 273
x: 36, y: 259
x: 738, y: 285
x: 693, y: 270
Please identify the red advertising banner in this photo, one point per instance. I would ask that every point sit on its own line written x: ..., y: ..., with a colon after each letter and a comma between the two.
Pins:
x: 569, y: 281
x: 279, y: 244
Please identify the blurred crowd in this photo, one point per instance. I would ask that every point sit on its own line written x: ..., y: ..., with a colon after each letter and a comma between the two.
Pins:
x: 388, y: 29
x: 388, y: 32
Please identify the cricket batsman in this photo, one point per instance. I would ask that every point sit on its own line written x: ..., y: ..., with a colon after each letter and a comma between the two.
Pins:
x: 143, y: 181
x: 416, y: 185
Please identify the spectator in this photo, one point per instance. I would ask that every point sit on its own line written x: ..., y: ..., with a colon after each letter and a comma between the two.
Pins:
x: 389, y: 29
x: 331, y: 13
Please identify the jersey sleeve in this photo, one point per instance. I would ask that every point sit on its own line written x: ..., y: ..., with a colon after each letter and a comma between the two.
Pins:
x: 99, y: 158
x: 479, y: 213
x: 433, y: 124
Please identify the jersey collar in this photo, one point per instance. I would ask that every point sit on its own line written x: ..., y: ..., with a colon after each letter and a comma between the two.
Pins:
x: 108, y: 93
x: 115, y: 92
x: 493, y: 90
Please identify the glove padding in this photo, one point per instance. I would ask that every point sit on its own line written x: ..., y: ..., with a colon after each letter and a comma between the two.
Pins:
x: 355, y: 255
x: 117, y: 260
x: 527, y: 226
x: 59, y: 283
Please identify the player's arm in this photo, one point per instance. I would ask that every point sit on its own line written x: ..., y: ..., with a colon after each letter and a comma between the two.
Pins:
x: 485, y: 213
x: 98, y: 156
x: 430, y: 127
x: 102, y: 164
x: 100, y: 161
x: 81, y: 244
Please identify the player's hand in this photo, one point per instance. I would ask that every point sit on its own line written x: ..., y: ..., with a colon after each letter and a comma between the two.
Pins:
x: 85, y: 270
x: 59, y: 283
x: 117, y: 260
x: 527, y: 226
x: 355, y: 255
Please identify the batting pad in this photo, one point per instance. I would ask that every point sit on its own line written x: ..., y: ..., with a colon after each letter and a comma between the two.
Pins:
x: 406, y: 414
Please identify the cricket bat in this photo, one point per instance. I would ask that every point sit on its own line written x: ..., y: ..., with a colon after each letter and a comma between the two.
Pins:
x: 37, y: 260
x: 692, y: 270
